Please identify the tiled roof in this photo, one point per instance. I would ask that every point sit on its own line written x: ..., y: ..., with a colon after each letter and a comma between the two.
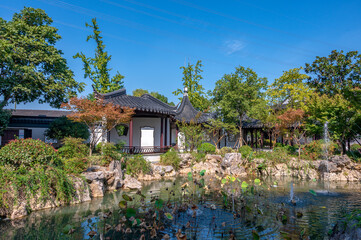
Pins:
x: 38, y: 113
x: 186, y: 112
x: 146, y: 103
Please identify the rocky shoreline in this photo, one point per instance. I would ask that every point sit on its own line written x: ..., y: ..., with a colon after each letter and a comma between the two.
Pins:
x: 97, y: 180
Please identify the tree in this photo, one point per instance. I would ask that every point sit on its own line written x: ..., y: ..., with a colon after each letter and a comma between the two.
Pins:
x: 99, y: 116
x: 193, y: 133
x: 217, y: 129
x: 291, y: 121
x: 96, y: 68
x: 290, y: 90
x: 4, y: 120
x: 343, y: 117
x: 337, y: 74
x: 191, y: 78
x: 140, y: 92
x: 62, y: 127
x: 236, y: 94
x: 31, y: 67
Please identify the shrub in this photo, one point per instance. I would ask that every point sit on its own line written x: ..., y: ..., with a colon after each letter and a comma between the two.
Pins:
x: 75, y: 165
x: 355, y: 147
x: 108, y: 152
x: 316, y: 149
x: 41, y: 183
x: 225, y: 150
x: 207, y: 148
x: 120, y: 145
x: 73, y: 148
x: 136, y: 164
x: 246, y: 151
x: 198, y: 157
x: 278, y: 155
x: 28, y: 152
x: 171, y: 158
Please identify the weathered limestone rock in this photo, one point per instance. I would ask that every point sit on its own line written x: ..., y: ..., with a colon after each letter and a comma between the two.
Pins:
x: 212, y: 157
x: 131, y: 183
x: 211, y: 167
x: 238, y: 170
x: 162, y: 170
x: 19, y: 211
x: 230, y: 159
x: 117, y: 180
x: 96, y: 183
x: 186, y: 159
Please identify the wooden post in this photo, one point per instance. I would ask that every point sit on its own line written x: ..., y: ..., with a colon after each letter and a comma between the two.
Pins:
x: 165, y: 132
x: 270, y: 141
x: 256, y: 135
x: 252, y: 138
x: 262, y: 138
x: 131, y: 135
x: 176, y: 136
x: 161, y: 133
x: 170, y: 134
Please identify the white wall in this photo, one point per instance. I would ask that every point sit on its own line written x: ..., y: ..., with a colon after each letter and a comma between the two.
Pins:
x: 115, y: 138
x: 139, y: 123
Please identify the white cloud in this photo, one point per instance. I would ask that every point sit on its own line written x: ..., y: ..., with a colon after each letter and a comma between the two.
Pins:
x: 232, y: 46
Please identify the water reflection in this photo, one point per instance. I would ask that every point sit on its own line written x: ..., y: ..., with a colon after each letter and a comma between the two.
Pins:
x: 312, y: 216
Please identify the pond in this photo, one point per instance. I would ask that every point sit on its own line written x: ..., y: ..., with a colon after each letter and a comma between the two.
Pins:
x: 265, y: 212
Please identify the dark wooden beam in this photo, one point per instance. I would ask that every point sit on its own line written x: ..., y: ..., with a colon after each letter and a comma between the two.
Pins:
x: 131, y: 133
x: 161, y: 133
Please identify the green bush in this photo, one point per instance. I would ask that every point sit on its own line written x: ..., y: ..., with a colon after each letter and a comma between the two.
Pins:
x: 316, y: 149
x: 41, y: 183
x: 278, y: 155
x: 207, y: 148
x: 355, y: 147
x: 75, y: 165
x: 246, y: 151
x: 171, y: 158
x: 198, y: 157
x: 28, y: 152
x: 225, y: 150
x: 120, y: 145
x: 108, y: 152
x: 73, y: 148
x: 136, y: 164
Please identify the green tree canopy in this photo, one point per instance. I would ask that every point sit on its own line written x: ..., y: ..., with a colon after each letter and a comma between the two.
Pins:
x: 96, y: 68
x: 344, y: 119
x: 338, y: 73
x: 63, y: 127
x: 191, y: 78
x: 31, y: 67
x: 235, y: 95
x: 139, y: 92
x: 290, y: 90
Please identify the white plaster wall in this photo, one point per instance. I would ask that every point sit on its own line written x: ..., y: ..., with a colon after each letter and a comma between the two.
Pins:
x: 115, y: 138
x: 138, y: 123
x: 174, y: 136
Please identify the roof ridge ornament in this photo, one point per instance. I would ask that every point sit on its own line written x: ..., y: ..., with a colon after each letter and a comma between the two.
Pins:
x: 185, y: 91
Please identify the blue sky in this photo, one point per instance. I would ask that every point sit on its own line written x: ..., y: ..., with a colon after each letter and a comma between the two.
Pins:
x: 150, y: 40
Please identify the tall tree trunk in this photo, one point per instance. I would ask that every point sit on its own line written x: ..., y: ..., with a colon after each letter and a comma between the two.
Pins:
x: 240, y: 135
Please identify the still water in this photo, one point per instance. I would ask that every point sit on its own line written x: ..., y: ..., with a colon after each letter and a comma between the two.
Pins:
x: 311, y: 216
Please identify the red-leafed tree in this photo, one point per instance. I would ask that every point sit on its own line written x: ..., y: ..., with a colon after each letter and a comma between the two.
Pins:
x: 99, y: 116
x: 291, y: 122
